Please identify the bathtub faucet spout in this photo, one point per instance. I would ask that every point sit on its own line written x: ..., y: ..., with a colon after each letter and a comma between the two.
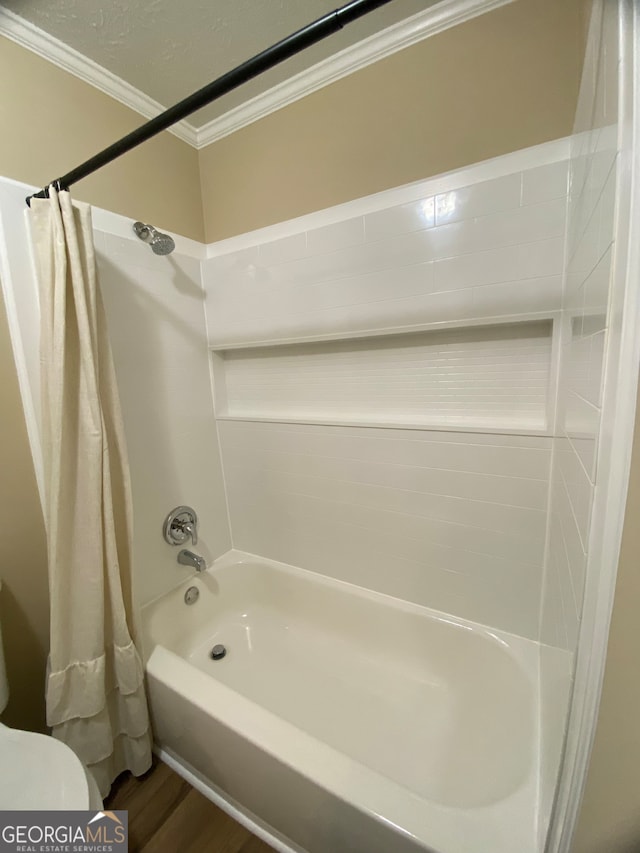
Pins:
x: 188, y: 558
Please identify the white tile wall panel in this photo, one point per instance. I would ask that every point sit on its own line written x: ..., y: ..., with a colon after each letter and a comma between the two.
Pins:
x: 545, y: 183
x: 592, y: 324
x: 518, y: 297
x: 480, y: 199
x: 510, y: 263
x: 399, y: 266
x: 528, y: 224
x: 578, y: 486
x: 607, y: 210
x: 599, y: 166
x: 552, y: 622
x: 582, y: 423
x: 556, y: 630
x: 525, y: 493
x: 451, y: 547
x: 593, y: 350
x: 413, y: 216
x: 414, y: 447
x: 379, y: 315
x: 242, y: 450
x: 573, y: 547
x: 584, y: 360
x: 285, y: 249
x: 496, y: 376
x: 395, y: 251
x: 593, y: 171
x: 154, y: 310
x: 512, y: 520
x: 596, y: 287
x: 569, y: 609
x: 499, y: 593
x: 340, y: 235
x: 409, y: 281
x: 423, y: 511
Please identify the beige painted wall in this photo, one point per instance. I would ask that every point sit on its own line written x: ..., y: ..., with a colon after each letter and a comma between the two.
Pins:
x: 504, y: 81
x: 51, y: 121
x: 24, y: 598
x: 610, y: 815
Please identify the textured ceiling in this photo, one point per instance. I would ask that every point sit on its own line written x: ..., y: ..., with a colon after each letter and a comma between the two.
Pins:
x: 170, y: 48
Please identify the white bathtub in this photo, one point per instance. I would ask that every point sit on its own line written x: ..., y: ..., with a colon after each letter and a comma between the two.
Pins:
x: 344, y: 720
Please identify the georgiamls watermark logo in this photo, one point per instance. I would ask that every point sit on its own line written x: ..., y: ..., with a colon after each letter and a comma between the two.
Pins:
x: 63, y: 832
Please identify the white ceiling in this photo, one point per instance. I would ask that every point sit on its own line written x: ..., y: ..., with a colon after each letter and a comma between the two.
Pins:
x: 169, y: 48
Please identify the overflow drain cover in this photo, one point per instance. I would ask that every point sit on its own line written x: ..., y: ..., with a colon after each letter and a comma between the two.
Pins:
x: 191, y: 595
x: 218, y: 652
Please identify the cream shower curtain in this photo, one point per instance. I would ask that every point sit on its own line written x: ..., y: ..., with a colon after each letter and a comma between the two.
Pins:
x: 95, y: 694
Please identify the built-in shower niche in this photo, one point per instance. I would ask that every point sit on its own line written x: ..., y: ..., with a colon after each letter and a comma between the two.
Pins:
x: 482, y: 377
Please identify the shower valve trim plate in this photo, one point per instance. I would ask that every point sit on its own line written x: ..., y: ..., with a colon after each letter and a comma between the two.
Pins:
x: 180, y: 525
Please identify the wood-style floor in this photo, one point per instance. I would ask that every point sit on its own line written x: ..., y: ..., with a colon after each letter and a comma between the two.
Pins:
x: 167, y: 815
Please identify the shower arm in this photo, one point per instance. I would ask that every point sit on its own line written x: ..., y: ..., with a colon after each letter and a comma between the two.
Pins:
x: 277, y: 53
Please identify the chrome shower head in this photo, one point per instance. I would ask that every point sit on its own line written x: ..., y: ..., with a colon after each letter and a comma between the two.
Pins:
x: 161, y: 244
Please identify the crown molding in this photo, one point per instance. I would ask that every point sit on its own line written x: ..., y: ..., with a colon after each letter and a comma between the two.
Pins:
x: 430, y: 22
x: 27, y: 35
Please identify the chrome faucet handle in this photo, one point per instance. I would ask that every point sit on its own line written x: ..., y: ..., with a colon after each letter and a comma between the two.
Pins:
x: 179, y: 525
x: 190, y: 529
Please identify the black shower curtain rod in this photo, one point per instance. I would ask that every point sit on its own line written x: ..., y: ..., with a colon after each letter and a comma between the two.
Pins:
x: 273, y: 55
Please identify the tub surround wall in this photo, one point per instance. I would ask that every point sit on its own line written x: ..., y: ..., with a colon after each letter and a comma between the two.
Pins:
x: 336, y: 457
x: 459, y: 248
x: 440, y: 519
x: 598, y: 398
x: 590, y: 250
x: 154, y: 306
x: 586, y: 338
x: 610, y: 813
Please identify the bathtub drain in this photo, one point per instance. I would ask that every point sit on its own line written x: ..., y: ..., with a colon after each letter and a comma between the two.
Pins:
x: 218, y: 652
